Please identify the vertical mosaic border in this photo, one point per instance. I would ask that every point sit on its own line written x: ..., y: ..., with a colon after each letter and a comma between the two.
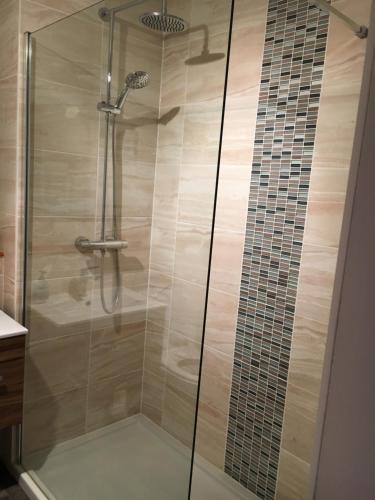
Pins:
x: 292, y: 70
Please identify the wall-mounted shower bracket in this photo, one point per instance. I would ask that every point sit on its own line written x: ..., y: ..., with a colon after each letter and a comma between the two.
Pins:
x: 85, y: 245
x: 359, y: 30
x: 108, y: 108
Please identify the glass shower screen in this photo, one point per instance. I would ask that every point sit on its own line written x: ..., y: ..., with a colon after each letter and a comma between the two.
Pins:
x: 124, y: 129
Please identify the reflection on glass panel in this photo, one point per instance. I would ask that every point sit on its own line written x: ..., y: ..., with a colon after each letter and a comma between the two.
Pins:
x: 125, y: 107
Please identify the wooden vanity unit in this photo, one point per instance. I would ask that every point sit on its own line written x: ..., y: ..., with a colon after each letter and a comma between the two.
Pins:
x: 12, y: 358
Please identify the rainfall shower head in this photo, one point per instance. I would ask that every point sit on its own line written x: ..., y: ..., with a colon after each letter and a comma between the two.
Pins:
x: 162, y: 21
x: 167, y: 23
x: 134, y: 81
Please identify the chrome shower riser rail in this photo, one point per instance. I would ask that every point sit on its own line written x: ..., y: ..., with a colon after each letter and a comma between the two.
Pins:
x: 359, y: 30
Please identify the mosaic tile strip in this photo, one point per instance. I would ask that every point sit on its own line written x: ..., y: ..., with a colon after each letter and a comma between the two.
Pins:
x: 292, y: 70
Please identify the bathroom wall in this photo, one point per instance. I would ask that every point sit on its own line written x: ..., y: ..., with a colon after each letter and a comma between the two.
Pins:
x: 328, y: 184
x: 8, y: 149
x: 337, y: 112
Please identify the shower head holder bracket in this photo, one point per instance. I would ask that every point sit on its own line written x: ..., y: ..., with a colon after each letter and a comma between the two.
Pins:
x: 106, y: 107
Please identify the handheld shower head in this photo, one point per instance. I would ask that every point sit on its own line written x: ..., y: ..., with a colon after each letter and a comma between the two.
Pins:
x: 133, y: 81
x: 137, y: 80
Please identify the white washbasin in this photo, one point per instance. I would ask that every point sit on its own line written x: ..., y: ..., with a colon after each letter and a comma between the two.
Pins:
x: 9, y: 327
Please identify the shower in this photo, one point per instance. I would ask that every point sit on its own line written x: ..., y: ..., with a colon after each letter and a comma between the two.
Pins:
x: 133, y: 81
x: 160, y: 21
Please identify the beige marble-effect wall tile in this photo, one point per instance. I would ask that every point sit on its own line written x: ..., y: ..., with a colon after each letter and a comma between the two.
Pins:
x: 113, y: 399
x: 213, y: 405
x: 137, y: 232
x: 62, y: 113
x: 211, y: 434
x: 300, y: 422
x: 206, y: 81
x: 68, y: 6
x: 155, y: 371
x: 135, y: 184
x: 136, y: 132
x: 239, y: 131
x: 163, y: 241
x: 138, y: 182
x: 307, y: 355
x: 247, y: 44
x: 188, y: 303
x: 197, y: 194
x: 35, y: 16
x: 59, y: 307
x: 232, y: 197
x: 293, y: 477
x: 52, y: 420
x: 192, y: 253
x: 323, y: 223
x: 52, y: 248
x: 116, y: 351
x: 216, y: 379
x: 221, y: 322
x: 159, y: 298
x: 56, y: 366
x: 63, y: 184
x: 243, y: 17
x: 9, y: 11
x: 69, y: 51
x: 328, y: 184
x: 167, y: 182
x: 215, y: 16
x: 153, y: 388
x: 9, y: 297
x: 7, y: 243
x: 179, y: 415
x: 181, y: 387
x: 8, y: 157
x: 170, y: 136
x: 156, y: 349
x: 202, y: 124
x: 318, y: 266
x: 1, y: 291
x: 227, y: 249
x: 8, y: 112
x: 173, y: 87
x: 335, y: 126
x: 183, y: 363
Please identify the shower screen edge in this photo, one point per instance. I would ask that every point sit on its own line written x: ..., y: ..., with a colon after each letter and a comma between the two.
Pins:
x: 211, y: 247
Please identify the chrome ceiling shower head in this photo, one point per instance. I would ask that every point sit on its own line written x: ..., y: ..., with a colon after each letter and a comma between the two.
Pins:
x: 162, y: 21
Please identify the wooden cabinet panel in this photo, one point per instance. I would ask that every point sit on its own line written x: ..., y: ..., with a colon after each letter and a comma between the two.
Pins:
x: 12, y: 353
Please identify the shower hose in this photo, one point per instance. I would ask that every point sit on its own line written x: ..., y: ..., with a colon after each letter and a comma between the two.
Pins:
x: 110, y: 309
